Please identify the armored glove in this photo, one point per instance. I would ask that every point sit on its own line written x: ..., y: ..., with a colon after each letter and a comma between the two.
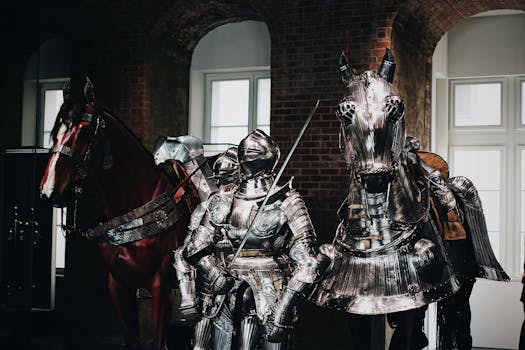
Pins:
x: 186, y: 275
x: 216, y: 279
x: 281, y: 317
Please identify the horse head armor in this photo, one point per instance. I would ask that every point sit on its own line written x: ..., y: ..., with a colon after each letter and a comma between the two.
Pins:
x: 372, y: 131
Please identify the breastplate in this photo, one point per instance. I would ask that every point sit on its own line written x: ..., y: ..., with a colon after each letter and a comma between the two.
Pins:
x: 266, y: 234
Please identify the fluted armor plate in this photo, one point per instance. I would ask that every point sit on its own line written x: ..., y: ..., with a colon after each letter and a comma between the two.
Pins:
x: 407, y: 273
x: 487, y: 265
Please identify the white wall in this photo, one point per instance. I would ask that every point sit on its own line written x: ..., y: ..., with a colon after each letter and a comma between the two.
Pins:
x: 484, y: 46
x: 242, y: 46
x: 439, y: 104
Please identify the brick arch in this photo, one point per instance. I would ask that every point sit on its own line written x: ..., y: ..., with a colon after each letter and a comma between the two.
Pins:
x: 416, y: 30
x: 184, y: 23
x: 172, y: 37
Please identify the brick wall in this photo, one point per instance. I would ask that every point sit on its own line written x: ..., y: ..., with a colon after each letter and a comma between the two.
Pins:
x: 138, y: 53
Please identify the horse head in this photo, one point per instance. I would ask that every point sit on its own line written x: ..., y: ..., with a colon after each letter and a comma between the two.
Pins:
x: 372, y: 133
x: 76, y: 132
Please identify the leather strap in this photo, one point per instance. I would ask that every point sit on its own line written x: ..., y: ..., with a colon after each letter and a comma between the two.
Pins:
x: 147, y: 220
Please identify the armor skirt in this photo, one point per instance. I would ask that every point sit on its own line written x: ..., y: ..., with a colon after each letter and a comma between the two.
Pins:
x: 407, y: 273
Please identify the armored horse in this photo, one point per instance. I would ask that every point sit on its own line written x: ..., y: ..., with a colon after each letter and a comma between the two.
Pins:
x: 388, y: 255
x: 144, y: 214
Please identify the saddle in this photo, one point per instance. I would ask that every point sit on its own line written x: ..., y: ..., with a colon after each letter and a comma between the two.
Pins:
x: 449, y: 222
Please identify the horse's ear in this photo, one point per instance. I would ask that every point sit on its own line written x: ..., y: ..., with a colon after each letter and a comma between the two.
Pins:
x: 344, y: 69
x: 66, y: 90
x: 89, y: 92
x: 388, y: 67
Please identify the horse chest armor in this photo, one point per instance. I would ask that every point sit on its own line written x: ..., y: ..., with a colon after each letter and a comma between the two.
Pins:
x: 266, y: 233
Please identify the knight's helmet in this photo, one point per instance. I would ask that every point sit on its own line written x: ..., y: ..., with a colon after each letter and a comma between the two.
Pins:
x: 226, y: 168
x: 181, y: 148
x: 258, y: 155
x: 372, y: 133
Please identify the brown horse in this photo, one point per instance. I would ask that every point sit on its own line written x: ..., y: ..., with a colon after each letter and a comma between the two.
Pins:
x: 140, y: 233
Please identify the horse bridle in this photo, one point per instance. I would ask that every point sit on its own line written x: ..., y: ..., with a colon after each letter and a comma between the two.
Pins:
x: 83, y: 163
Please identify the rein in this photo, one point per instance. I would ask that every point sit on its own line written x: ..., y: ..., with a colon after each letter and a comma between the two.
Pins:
x: 147, y: 220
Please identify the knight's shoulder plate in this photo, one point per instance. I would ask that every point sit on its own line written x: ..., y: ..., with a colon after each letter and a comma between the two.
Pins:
x: 465, y: 190
x: 219, y: 206
x: 280, y: 193
x: 297, y: 215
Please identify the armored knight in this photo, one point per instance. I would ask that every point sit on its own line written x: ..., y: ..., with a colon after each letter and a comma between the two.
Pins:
x: 279, y: 260
x: 214, y: 330
x: 189, y: 151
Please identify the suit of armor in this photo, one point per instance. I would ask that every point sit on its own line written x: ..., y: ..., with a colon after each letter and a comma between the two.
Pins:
x: 189, y: 151
x: 215, y: 328
x: 280, y: 259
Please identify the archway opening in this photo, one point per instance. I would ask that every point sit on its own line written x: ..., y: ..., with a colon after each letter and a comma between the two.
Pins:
x: 230, y: 83
x: 478, y: 80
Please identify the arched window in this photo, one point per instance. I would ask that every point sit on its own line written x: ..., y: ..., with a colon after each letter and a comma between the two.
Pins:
x: 45, y: 74
x: 230, y: 83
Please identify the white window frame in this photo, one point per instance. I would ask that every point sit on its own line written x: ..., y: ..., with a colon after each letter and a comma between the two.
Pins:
x: 509, y: 136
x: 518, y: 88
x: 503, y: 111
x: 44, y: 86
x: 252, y: 76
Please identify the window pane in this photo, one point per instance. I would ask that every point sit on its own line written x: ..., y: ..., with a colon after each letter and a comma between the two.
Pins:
x: 490, y: 201
x: 482, y: 166
x: 477, y: 104
x: 522, y: 206
x: 229, y: 102
x: 522, y: 170
x: 231, y: 135
x: 522, y: 102
x: 53, y: 101
x: 46, y: 141
x: 265, y: 128
x: 263, y: 102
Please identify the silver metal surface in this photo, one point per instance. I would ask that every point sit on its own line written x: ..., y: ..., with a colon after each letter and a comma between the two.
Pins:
x: 181, y: 148
x: 387, y: 256
x: 250, y: 333
x: 488, y: 265
x: 281, y: 246
x: 226, y: 168
x: 189, y: 151
x: 251, y: 158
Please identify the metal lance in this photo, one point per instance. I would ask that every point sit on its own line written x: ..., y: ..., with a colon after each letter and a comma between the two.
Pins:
x: 276, y: 179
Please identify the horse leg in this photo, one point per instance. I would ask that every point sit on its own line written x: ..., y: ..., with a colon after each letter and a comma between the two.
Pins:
x: 408, y: 333
x: 161, y: 306
x: 463, y: 336
x: 360, y: 327
x: 125, y: 303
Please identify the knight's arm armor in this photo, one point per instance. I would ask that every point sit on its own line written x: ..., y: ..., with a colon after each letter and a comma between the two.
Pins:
x: 199, y: 252
x: 187, y: 274
x: 309, y: 265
